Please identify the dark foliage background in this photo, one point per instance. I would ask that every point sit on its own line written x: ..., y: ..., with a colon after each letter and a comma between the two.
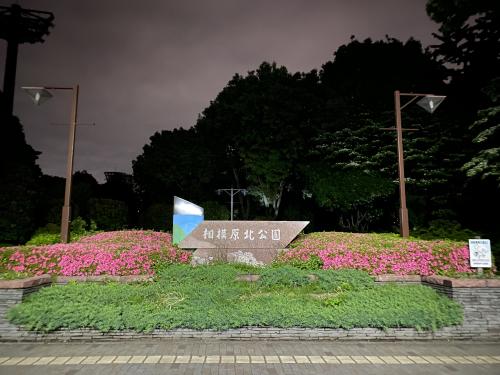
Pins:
x: 309, y: 145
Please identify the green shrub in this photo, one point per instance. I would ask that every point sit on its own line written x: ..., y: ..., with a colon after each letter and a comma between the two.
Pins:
x: 208, y: 297
x: 51, y: 234
x: 215, y: 211
x: 78, y: 226
x: 158, y: 216
x: 46, y: 235
x: 333, y: 279
x: 285, y: 276
x: 444, y: 229
x: 313, y: 263
x: 108, y: 214
x: 44, y: 239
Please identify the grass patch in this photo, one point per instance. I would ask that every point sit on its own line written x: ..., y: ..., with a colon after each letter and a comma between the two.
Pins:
x: 209, y: 297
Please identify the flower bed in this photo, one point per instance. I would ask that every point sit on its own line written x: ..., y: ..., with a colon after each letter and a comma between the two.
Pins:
x: 109, y: 253
x: 378, y: 254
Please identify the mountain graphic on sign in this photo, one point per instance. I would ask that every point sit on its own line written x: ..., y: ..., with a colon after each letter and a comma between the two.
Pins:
x: 187, y: 216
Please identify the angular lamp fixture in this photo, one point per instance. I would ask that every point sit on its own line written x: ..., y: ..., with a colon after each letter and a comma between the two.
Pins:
x: 38, y: 94
x: 431, y: 102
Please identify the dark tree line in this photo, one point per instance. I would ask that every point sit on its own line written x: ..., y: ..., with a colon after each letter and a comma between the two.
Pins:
x: 310, y: 146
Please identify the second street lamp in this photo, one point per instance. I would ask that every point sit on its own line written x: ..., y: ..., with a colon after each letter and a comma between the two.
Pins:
x: 39, y: 95
x: 429, y: 102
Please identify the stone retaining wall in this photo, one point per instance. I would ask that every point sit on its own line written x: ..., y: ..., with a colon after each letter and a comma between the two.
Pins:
x: 480, y: 299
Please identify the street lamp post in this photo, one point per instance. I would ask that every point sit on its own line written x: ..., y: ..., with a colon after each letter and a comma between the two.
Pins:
x: 39, y: 95
x: 429, y: 102
x: 232, y: 192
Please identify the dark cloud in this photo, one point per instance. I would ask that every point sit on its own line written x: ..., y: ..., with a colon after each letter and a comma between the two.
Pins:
x: 152, y: 65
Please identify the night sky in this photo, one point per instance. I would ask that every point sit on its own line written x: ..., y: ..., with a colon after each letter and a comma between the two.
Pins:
x: 145, y: 66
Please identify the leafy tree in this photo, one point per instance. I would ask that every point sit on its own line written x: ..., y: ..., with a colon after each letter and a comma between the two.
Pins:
x: 485, y: 162
x: 470, y: 47
x: 470, y: 42
x: 20, y: 176
x: 174, y: 163
x: 121, y: 186
x: 264, y: 120
x: 215, y: 211
x: 51, y: 190
x: 84, y: 188
x: 364, y: 75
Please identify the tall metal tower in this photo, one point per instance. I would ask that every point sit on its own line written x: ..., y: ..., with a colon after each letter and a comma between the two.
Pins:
x: 19, y: 25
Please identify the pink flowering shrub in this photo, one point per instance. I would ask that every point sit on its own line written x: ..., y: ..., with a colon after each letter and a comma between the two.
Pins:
x: 109, y: 253
x: 378, y: 254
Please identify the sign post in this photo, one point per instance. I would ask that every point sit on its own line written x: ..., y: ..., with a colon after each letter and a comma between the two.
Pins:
x: 480, y: 254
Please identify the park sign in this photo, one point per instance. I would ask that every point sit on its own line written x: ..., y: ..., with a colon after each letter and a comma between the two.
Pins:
x: 221, y: 234
x: 480, y: 253
x: 251, y: 242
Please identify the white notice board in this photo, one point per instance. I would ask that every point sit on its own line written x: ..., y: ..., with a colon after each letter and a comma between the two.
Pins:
x: 480, y: 253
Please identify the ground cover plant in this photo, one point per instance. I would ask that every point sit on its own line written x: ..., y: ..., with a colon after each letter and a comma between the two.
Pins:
x: 107, y: 253
x: 210, y: 297
x: 378, y: 254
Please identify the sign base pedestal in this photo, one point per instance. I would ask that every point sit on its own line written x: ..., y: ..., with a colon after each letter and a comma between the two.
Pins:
x: 254, y: 257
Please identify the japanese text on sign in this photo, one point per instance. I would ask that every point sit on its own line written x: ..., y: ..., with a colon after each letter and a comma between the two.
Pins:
x: 247, y: 234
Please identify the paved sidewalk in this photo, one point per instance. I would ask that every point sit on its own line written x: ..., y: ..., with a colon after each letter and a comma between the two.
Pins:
x: 250, y: 357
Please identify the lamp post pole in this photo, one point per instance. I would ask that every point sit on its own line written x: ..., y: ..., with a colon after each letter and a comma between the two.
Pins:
x: 66, y: 210
x: 39, y: 94
x: 429, y: 102
x: 403, y: 210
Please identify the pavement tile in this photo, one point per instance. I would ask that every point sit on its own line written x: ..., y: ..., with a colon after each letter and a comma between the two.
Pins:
x: 137, y: 359
x: 28, y: 361
x: 287, y: 359
x: 489, y: 359
x: 13, y: 361
x: 432, y: 359
x: 122, y: 359
x: 301, y: 359
x: 389, y: 359
x: 446, y: 359
x: 212, y: 359
x: 226, y: 359
x: 345, y: 359
x: 374, y: 359
x: 257, y: 359
x: 167, y: 359
x: 316, y: 359
x: 475, y: 359
x: 360, y: 359
x: 73, y: 360
x: 182, y: 359
x: 331, y: 359
x: 197, y: 359
x: 461, y: 360
x: 43, y: 361
x: 272, y: 359
x: 90, y: 360
x: 60, y: 360
x: 152, y: 359
x: 404, y: 359
x: 242, y: 359
x: 418, y: 360
x: 106, y: 359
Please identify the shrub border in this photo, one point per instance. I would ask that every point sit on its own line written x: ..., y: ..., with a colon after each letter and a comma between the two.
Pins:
x: 479, y: 297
